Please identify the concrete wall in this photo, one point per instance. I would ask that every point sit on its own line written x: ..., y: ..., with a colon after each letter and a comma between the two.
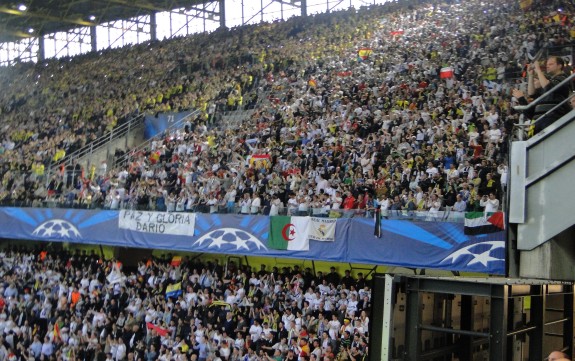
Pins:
x: 554, y: 260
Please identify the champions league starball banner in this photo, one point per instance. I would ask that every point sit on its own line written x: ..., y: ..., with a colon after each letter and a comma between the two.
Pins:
x: 403, y: 243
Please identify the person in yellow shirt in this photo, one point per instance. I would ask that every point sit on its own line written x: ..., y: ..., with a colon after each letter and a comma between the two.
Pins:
x: 60, y: 153
x: 211, y: 139
x: 231, y: 101
x: 239, y: 101
x: 38, y: 169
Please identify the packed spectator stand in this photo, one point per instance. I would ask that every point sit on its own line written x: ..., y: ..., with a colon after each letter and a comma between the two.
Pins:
x: 77, y: 306
x: 358, y: 114
x: 364, y: 124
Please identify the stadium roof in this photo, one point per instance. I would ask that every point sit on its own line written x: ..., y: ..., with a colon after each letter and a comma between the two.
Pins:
x: 26, y: 18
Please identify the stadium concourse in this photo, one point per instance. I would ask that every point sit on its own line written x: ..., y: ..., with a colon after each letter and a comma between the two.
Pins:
x: 360, y: 113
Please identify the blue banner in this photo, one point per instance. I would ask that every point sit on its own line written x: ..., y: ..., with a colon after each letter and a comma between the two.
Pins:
x: 157, y: 124
x: 404, y: 243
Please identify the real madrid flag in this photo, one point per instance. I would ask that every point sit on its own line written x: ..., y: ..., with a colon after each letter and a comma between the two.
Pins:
x: 322, y: 229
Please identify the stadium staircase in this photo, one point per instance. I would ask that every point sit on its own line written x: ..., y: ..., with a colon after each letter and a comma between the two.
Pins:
x: 129, y: 135
x: 123, y: 136
x: 172, y: 130
x: 234, y: 119
x: 542, y: 200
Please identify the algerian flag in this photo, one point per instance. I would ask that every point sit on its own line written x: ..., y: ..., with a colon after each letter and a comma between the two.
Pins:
x: 289, y: 233
x: 480, y: 223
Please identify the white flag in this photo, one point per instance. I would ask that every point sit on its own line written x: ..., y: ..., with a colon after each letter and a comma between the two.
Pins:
x: 322, y: 229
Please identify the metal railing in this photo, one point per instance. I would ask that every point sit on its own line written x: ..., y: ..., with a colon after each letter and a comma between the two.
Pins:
x: 519, y: 128
x: 446, y: 215
x: 124, y: 159
x: 233, y: 119
x: 89, y: 149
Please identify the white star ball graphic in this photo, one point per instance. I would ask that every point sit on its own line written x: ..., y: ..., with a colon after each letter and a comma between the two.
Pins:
x: 232, y: 236
x: 57, y: 228
x: 483, y: 256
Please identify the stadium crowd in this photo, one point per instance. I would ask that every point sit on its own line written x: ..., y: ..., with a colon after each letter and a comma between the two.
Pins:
x: 76, y: 306
x: 357, y: 114
x: 407, y: 108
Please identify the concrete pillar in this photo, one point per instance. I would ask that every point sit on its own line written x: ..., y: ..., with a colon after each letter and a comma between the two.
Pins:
x: 93, y: 38
x: 153, y: 27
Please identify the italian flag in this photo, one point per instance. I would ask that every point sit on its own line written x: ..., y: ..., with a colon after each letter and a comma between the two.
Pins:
x: 481, y: 223
x: 289, y: 233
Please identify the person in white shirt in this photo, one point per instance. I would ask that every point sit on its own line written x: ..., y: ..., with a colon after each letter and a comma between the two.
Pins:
x: 466, y: 170
x: 255, y: 331
x: 213, y: 203
x: 322, y: 183
x: 452, y: 172
x: 434, y: 206
x: 502, y: 170
x: 460, y: 204
x: 352, y: 305
x: 245, y: 204
x: 490, y: 203
x: 230, y: 199
x: 492, y: 117
x: 292, y: 204
x: 275, y: 205
x: 336, y: 200
x: 431, y: 170
x: 266, y: 329
x: 256, y: 204
x: 334, y: 326
x: 384, y: 203
x: 303, y: 206
x: 120, y: 350
x: 287, y: 317
x: 494, y: 134
x: 47, y: 347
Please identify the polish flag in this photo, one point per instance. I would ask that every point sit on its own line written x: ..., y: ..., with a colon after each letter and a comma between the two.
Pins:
x: 446, y: 73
